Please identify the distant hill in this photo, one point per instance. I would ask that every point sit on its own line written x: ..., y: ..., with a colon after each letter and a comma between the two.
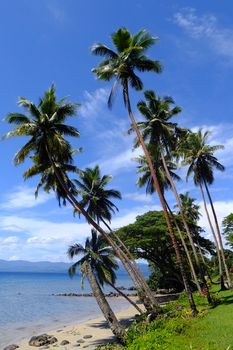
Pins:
x: 49, y: 267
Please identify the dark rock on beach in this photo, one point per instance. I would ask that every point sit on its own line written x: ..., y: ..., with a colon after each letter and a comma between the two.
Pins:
x: 88, y: 336
x: 43, y: 339
x: 11, y: 347
x: 65, y: 342
x: 80, y: 341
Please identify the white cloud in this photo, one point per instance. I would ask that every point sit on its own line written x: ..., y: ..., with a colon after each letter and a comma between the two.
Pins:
x: 138, y: 197
x: 206, y: 27
x: 94, y: 102
x: 120, y: 162
x: 223, y: 208
x: 47, y: 240
x: 23, y: 197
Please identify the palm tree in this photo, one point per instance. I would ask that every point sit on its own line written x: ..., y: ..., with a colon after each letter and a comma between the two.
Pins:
x: 96, y: 199
x: 199, y: 156
x: 146, y: 180
x: 163, y: 134
x: 191, y: 211
x: 48, y: 149
x: 121, y: 66
x: 97, y: 264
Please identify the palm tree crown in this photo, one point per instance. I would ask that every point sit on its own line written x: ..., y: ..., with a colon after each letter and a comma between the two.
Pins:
x: 95, y: 196
x: 157, y: 129
x: 45, y: 125
x: 128, y: 58
x: 145, y: 178
x: 97, y: 255
x: 200, y: 157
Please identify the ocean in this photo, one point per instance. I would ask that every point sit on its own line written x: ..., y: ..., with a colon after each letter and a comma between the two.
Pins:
x: 27, y: 306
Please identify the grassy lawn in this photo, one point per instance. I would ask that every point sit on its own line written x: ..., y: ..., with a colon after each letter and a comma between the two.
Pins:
x: 212, y: 329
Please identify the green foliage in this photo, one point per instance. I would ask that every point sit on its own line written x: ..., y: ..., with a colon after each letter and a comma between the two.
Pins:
x: 176, y: 329
x: 228, y: 229
x: 148, y: 238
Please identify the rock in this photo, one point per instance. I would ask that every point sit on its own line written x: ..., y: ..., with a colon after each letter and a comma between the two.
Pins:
x: 43, y: 339
x: 80, y: 341
x: 65, y: 342
x: 75, y: 346
x: 87, y: 336
x: 11, y: 347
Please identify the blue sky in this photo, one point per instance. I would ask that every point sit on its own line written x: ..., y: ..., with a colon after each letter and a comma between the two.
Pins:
x: 45, y: 41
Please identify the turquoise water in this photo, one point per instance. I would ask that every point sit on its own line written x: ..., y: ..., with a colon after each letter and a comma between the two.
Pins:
x: 28, y: 307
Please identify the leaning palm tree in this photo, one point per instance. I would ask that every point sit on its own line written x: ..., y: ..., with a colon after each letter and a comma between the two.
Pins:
x: 145, y: 179
x: 158, y: 130
x: 199, y: 156
x: 97, y: 201
x: 45, y: 125
x: 121, y: 65
x: 97, y: 264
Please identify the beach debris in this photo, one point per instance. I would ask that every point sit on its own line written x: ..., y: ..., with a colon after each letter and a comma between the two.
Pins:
x: 87, y: 336
x: 11, y: 347
x: 65, y: 342
x: 43, y: 339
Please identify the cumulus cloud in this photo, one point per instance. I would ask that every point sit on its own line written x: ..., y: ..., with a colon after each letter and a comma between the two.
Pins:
x: 138, y: 197
x: 206, y: 27
x: 94, y: 102
x: 22, y: 197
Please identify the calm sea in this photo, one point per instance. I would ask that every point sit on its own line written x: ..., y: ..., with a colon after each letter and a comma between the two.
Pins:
x: 27, y: 306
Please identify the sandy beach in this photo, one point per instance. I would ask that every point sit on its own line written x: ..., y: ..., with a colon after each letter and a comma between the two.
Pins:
x: 88, y: 334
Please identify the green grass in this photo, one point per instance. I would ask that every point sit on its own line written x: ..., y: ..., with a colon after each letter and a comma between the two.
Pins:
x: 176, y: 329
x: 212, y: 329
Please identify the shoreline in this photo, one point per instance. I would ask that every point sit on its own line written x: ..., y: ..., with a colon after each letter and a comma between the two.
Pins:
x: 96, y: 330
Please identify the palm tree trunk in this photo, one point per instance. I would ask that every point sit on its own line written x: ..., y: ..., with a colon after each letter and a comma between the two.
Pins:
x: 219, y: 236
x: 109, y: 315
x: 215, y: 239
x: 126, y: 297
x: 170, y: 229
x: 187, y: 230
x: 150, y: 305
x: 185, y: 248
x: 136, y: 270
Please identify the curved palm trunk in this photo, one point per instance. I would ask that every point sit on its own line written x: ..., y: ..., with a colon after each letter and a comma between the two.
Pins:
x: 219, y: 236
x: 185, y: 248
x: 170, y: 229
x: 150, y: 305
x: 126, y: 297
x: 187, y: 230
x: 215, y: 238
x: 136, y: 270
x: 109, y: 315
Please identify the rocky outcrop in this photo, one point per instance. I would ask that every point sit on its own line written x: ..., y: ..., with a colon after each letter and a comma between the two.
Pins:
x: 43, y: 339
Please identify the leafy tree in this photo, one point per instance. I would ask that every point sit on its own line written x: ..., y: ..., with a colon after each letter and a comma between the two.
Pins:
x: 147, y: 238
x: 228, y: 229
x: 97, y: 264
x: 121, y: 65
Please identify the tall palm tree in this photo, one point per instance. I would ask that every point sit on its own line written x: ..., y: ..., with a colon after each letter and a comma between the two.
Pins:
x: 199, y: 156
x: 97, y: 264
x: 145, y: 179
x: 121, y: 65
x: 96, y: 199
x: 160, y: 132
x: 45, y: 125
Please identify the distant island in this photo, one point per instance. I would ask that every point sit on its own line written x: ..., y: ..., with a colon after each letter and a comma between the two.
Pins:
x: 50, y: 267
